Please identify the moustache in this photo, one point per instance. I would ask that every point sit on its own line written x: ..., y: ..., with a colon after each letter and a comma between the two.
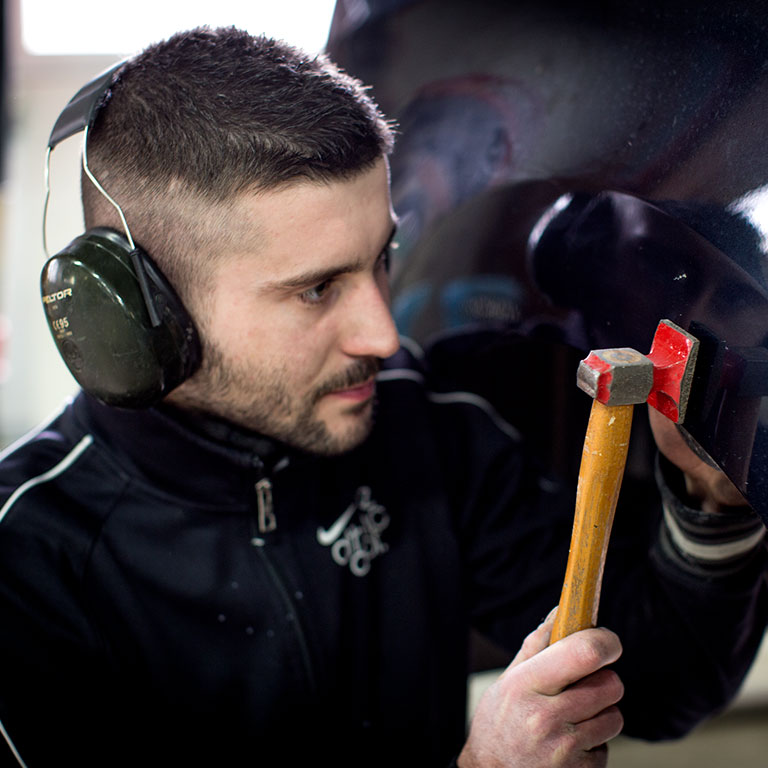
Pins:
x: 358, y: 373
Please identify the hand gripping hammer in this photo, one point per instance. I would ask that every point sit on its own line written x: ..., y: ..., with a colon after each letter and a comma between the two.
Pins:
x: 617, y: 379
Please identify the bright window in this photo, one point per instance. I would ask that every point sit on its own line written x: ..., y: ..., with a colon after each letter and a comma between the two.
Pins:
x: 78, y: 27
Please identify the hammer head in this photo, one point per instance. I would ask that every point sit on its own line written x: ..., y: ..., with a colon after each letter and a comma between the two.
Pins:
x: 623, y: 376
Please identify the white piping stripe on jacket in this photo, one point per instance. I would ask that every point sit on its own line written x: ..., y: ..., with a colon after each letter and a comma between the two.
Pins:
x: 714, y: 552
x: 12, y: 746
x: 61, y: 467
x: 408, y: 343
x: 469, y: 398
x: 55, y: 471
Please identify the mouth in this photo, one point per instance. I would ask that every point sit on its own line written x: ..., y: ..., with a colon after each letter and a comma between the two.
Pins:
x: 357, y: 394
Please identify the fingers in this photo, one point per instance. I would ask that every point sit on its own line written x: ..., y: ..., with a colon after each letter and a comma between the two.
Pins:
x: 581, y: 717
x: 598, y: 730
x: 597, y: 757
x: 553, y: 707
x: 537, y: 640
x: 593, y: 694
x: 573, y: 658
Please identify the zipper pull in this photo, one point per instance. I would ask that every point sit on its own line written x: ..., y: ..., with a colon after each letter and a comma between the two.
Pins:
x: 267, y: 521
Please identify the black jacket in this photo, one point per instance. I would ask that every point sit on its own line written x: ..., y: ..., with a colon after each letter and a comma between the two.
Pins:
x: 185, y: 594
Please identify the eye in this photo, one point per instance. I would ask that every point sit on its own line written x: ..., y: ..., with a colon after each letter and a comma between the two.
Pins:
x: 317, y: 293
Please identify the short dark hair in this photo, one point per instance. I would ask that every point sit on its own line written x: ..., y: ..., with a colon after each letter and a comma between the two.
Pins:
x: 192, y: 121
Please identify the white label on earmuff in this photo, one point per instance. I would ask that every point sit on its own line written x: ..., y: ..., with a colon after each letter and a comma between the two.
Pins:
x: 66, y: 293
x: 60, y: 324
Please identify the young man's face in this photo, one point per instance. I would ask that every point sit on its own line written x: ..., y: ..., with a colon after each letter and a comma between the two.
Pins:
x: 296, y: 322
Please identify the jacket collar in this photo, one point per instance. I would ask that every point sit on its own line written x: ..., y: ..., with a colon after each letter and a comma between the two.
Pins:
x: 183, y: 453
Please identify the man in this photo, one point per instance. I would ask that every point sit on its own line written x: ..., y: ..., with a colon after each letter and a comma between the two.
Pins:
x: 280, y: 563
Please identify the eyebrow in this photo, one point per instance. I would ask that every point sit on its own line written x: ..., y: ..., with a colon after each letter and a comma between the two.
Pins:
x: 318, y: 276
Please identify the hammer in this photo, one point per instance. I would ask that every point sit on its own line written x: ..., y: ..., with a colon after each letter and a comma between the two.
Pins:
x: 616, y: 379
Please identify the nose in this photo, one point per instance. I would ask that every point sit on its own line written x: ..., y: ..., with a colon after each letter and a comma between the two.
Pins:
x: 369, y: 328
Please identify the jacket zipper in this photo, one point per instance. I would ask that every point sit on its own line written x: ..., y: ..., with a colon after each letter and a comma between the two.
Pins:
x: 266, y: 522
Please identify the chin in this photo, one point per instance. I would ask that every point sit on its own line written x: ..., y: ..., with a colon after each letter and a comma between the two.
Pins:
x: 328, y: 442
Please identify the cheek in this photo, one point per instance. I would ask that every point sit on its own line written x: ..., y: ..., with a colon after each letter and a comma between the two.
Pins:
x: 306, y: 355
x: 273, y: 337
x: 300, y: 360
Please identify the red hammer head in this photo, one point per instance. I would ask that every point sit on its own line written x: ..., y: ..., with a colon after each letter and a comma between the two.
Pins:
x: 623, y: 376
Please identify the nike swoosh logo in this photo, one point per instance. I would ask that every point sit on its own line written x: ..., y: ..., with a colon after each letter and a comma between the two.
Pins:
x: 326, y: 536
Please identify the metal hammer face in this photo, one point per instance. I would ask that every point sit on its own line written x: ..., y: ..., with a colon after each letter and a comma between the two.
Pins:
x: 662, y: 378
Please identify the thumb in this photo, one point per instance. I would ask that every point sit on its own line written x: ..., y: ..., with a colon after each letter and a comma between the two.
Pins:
x: 536, y: 641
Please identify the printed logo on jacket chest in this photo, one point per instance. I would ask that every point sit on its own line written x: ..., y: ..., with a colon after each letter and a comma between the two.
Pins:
x: 355, y: 538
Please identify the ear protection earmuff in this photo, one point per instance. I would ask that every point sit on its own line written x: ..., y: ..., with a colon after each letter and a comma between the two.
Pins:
x: 117, y: 322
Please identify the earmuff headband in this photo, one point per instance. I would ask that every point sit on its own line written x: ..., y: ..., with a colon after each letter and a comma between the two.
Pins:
x: 83, y: 107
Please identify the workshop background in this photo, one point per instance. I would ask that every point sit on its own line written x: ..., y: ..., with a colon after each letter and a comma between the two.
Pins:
x: 492, y: 133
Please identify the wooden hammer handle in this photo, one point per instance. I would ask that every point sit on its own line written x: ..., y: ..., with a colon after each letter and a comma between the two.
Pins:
x: 602, y: 468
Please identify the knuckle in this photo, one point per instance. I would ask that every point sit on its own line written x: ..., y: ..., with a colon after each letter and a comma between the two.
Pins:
x: 607, y: 685
x: 539, y: 722
x: 616, y: 720
x: 614, y: 685
x: 590, y: 651
x: 607, y: 725
x: 598, y: 647
x: 568, y: 748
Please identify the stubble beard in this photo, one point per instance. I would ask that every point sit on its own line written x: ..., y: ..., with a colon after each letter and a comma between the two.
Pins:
x: 260, y: 401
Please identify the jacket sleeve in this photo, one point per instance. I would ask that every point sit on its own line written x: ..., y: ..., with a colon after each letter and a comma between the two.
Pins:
x: 55, y: 668
x: 57, y: 676
x: 691, y: 612
x: 42, y: 654
x: 690, y: 630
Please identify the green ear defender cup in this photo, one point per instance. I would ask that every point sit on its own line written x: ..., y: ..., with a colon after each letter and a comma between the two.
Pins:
x: 118, y: 324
